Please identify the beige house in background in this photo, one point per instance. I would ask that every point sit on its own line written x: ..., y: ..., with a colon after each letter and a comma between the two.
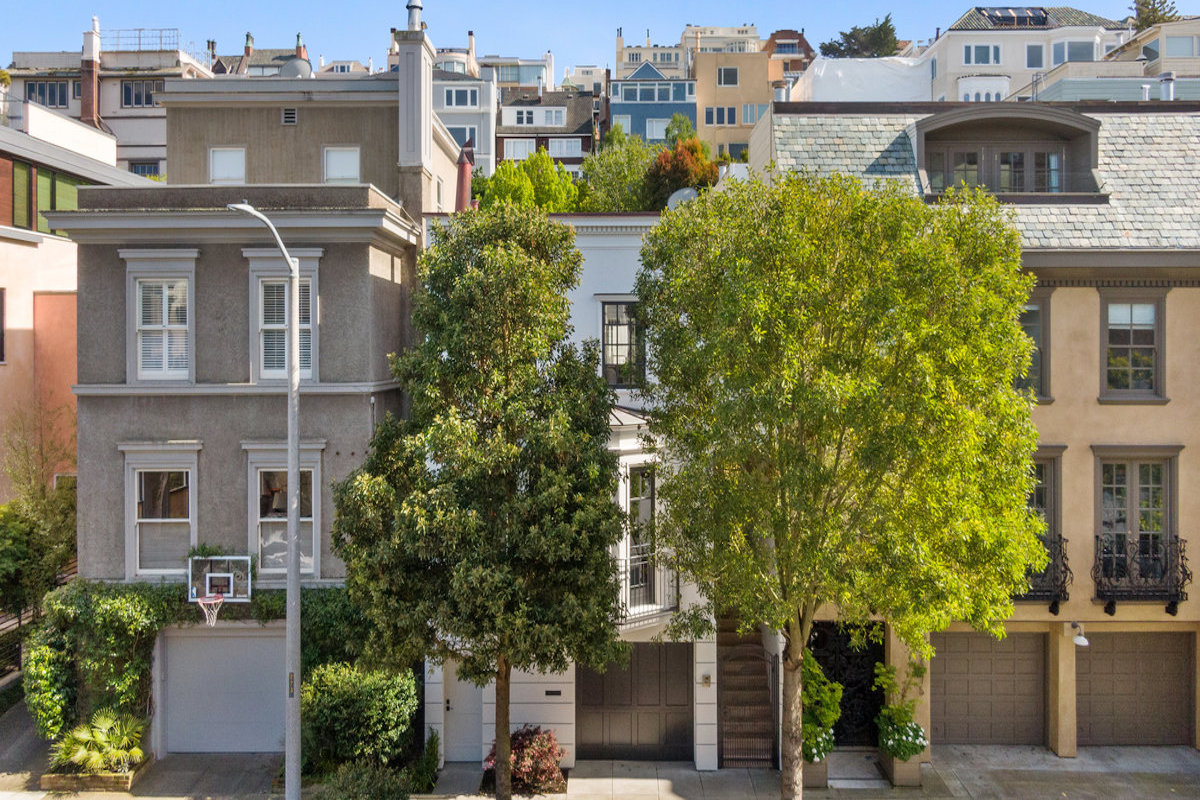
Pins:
x: 733, y: 90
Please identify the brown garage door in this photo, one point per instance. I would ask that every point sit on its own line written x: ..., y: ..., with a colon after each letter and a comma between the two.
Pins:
x: 984, y: 691
x: 640, y: 711
x: 1134, y: 688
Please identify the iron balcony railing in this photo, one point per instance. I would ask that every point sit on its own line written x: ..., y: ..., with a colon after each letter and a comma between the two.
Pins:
x: 649, y: 588
x: 1051, y: 583
x: 1140, y: 567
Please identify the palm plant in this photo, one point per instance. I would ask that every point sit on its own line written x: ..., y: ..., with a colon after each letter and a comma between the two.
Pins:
x: 111, y: 742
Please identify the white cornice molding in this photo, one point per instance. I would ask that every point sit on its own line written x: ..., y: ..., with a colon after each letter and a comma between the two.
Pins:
x: 229, y: 389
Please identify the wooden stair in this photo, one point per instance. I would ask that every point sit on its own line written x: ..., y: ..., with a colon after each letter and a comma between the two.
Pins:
x: 744, y: 697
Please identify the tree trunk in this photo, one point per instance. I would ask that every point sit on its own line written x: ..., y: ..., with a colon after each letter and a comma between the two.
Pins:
x: 503, y: 735
x: 791, y: 772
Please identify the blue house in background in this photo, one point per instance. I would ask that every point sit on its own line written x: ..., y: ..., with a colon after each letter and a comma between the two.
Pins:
x: 643, y: 103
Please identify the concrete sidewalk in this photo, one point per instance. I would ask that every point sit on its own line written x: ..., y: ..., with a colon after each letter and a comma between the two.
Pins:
x: 979, y: 773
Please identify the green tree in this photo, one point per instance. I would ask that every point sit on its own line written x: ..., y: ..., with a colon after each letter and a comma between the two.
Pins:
x: 614, y: 136
x: 679, y: 129
x: 478, y: 530
x: 615, y: 177
x: 554, y: 189
x: 508, y: 184
x: 1147, y: 13
x: 835, y: 369
x: 5, y: 78
x: 868, y: 41
x: 686, y: 165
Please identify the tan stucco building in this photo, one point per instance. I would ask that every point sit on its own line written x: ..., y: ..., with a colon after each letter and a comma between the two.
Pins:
x: 733, y: 90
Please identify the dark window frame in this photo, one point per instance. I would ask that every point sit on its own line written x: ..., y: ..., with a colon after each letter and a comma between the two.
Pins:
x: 1040, y: 297
x: 616, y: 373
x: 140, y: 93
x: 1157, y: 298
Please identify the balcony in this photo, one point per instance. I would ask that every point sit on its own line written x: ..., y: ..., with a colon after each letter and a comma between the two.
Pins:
x: 649, y: 588
x: 1050, y: 585
x: 1141, y: 567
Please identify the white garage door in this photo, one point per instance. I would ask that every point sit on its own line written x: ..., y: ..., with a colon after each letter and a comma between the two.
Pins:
x: 224, y: 690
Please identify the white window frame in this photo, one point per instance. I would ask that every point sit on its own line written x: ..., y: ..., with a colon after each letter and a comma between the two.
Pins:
x: 472, y: 133
x: 451, y: 98
x: 157, y: 265
x: 272, y: 456
x: 1039, y: 48
x: 662, y: 124
x: 266, y: 264
x: 172, y: 456
x: 329, y: 150
x: 625, y: 121
x: 722, y: 73
x: 510, y: 149
x: 565, y: 148
x: 212, y: 152
x: 1193, y: 44
x: 993, y: 51
x: 524, y: 116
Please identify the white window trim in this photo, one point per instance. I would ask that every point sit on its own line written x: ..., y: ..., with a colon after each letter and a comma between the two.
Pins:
x: 628, y: 462
x: 266, y: 263
x: 1040, y: 47
x: 157, y: 265
x: 227, y: 182
x: 272, y: 455
x: 664, y: 122
x: 329, y: 148
x: 182, y: 455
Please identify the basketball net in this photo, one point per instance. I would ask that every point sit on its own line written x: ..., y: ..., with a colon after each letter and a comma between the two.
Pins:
x: 210, y: 605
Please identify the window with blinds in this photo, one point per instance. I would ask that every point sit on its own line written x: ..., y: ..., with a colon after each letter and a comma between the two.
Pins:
x: 273, y: 318
x: 162, y: 330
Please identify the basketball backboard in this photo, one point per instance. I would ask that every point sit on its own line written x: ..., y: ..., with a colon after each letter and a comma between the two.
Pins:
x: 228, y: 576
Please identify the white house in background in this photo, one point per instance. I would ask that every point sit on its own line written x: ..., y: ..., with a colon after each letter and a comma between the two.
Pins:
x: 512, y: 72
x: 663, y: 704
x: 466, y: 105
x: 562, y: 122
x: 112, y: 88
x: 861, y: 79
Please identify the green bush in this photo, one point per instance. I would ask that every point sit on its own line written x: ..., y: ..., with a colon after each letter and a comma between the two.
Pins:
x: 899, y: 734
x: 334, y: 628
x: 111, y: 742
x: 366, y: 780
x: 822, y: 701
x: 535, y: 756
x: 49, y: 678
x: 422, y: 774
x: 351, y: 714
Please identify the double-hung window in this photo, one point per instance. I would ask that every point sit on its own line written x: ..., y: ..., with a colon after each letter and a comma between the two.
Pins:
x: 624, y: 350
x: 1132, y: 351
x: 268, y: 505
x: 1035, y: 322
x: 163, y: 345
x: 273, y: 327
x: 160, y: 506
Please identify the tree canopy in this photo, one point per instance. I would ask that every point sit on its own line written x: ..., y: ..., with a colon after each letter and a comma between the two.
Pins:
x: 537, y: 181
x: 835, y: 398
x: 686, y: 165
x: 1147, y: 13
x: 478, y: 530
x: 615, y: 177
x: 867, y: 41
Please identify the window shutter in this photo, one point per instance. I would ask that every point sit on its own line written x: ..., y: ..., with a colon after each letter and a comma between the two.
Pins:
x: 274, y: 309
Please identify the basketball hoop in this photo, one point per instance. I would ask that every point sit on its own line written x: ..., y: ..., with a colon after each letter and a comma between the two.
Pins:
x: 210, y: 605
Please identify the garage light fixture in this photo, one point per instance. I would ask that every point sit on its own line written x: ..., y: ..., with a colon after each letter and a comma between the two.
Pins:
x: 1080, y: 640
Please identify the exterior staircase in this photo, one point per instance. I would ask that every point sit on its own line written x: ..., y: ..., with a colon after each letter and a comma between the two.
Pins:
x: 745, y: 698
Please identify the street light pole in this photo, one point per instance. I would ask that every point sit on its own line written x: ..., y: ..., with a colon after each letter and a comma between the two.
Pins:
x: 291, y: 748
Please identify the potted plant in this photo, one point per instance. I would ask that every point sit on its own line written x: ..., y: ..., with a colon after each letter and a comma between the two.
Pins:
x: 822, y: 707
x: 900, y: 737
x: 100, y: 755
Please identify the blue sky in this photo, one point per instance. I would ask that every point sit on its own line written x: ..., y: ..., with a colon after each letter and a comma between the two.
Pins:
x: 577, y: 33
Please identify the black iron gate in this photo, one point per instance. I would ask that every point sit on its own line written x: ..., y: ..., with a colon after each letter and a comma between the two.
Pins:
x: 855, y: 670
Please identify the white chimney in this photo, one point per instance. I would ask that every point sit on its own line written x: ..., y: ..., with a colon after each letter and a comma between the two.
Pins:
x: 1166, y: 83
x: 414, y: 15
x: 370, y: 64
x: 539, y: 85
x: 91, y: 41
x: 1145, y: 91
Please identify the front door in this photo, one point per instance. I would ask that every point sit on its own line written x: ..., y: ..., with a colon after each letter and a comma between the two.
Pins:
x: 464, y: 717
x: 855, y: 671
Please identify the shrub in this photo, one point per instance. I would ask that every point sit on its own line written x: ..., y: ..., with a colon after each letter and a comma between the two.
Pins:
x: 535, y: 756
x: 422, y: 774
x: 352, y: 714
x: 334, y: 629
x: 899, y: 735
x: 822, y: 701
x: 49, y: 679
x: 366, y: 780
x: 111, y: 742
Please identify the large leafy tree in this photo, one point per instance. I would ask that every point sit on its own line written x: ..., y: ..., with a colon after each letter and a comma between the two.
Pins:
x: 1147, y: 13
x: 537, y: 181
x: 479, y: 529
x: 684, y: 166
x: 835, y: 369
x: 865, y: 41
x: 615, y: 177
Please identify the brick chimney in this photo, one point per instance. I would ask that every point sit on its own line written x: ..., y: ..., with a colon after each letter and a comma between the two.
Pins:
x: 89, y: 77
x: 466, y: 164
x: 244, y: 67
x: 301, y: 50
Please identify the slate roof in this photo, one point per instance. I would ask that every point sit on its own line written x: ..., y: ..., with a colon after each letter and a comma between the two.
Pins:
x: 1149, y: 166
x: 1057, y: 17
x: 577, y: 104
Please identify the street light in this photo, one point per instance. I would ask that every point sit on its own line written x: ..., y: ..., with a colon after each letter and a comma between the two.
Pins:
x: 291, y: 739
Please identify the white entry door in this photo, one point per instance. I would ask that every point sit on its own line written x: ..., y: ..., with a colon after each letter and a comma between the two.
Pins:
x: 464, y: 717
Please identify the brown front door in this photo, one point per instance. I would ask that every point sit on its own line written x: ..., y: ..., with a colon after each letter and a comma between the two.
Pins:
x: 640, y: 711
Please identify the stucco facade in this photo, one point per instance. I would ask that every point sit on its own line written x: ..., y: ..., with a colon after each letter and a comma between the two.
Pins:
x: 732, y: 91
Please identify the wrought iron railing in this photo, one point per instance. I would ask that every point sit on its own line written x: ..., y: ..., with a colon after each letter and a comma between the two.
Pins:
x: 1140, y: 567
x: 1051, y: 583
x: 649, y: 587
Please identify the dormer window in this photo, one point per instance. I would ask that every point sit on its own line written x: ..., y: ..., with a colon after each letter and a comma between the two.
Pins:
x: 1012, y: 150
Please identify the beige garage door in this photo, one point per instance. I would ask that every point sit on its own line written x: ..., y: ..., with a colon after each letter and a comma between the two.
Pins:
x: 1134, y: 688
x: 985, y: 691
